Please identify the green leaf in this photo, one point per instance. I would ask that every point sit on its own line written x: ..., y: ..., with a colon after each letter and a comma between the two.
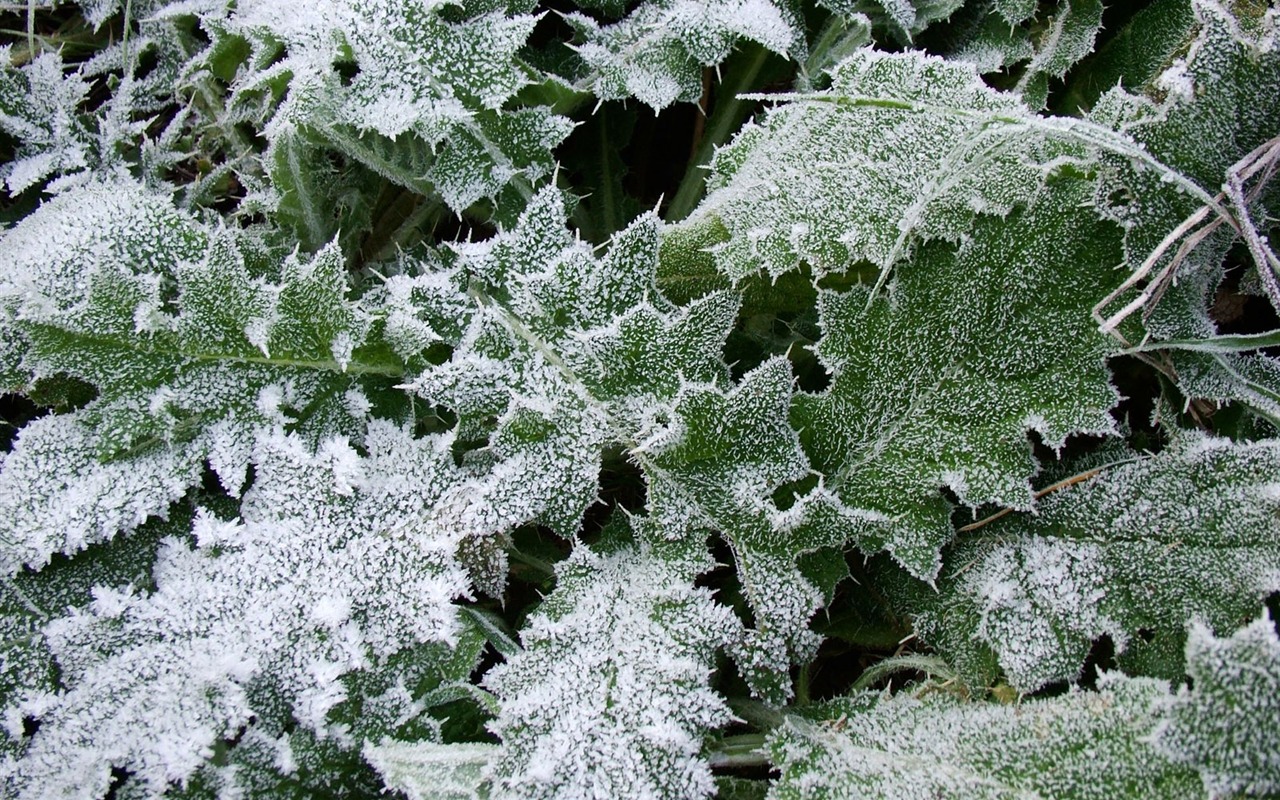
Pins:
x: 1079, y: 745
x: 911, y: 149
x: 1225, y: 724
x: 657, y: 52
x: 39, y: 108
x: 1133, y: 553
x: 404, y: 91
x: 429, y: 771
x: 332, y: 567
x: 173, y: 328
x: 610, y: 696
x: 564, y: 352
x: 714, y: 469
x: 939, y: 383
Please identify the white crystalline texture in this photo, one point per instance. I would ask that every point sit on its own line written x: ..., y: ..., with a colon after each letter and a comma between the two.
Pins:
x: 331, y: 568
x: 903, y: 147
x: 39, y: 108
x: 429, y: 771
x: 609, y: 697
x: 1080, y: 745
x: 1145, y: 546
x: 1227, y: 724
x: 55, y: 496
x: 657, y: 52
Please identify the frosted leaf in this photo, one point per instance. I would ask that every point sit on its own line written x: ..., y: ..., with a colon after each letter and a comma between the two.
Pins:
x: 113, y: 285
x: 39, y: 107
x: 1203, y: 133
x: 428, y: 771
x: 1132, y: 554
x: 609, y: 697
x: 713, y: 469
x: 331, y: 568
x: 562, y: 353
x: 913, y: 147
x: 394, y: 86
x: 905, y: 18
x: 1083, y: 744
x: 657, y: 52
x: 1015, y: 11
x: 1227, y: 724
x: 921, y: 399
x: 55, y: 497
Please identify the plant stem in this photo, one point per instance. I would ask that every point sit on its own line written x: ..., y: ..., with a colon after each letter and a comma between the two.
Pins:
x: 744, y: 750
x: 727, y: 117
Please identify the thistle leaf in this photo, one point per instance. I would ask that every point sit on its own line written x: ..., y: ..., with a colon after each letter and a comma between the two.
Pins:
x: 657, y: 52
x: 1134, y: 553
x: 1080, y: 745
x: 1225, y: 724
x: 921, y: 400
x: 610, y: 695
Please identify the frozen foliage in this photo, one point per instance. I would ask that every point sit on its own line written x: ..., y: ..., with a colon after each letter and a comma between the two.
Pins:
x: 38, y: 106
x: 608, y: 698
x: 921, y: 400
x: 657, y: 53
x: 331, y: 567
x: 426, y: 771
x: 368, y: 79
x: 343, y: 455
x: 715, y: 469
x: 55, y: 497
x: 1081, y: 745
x: 913, y: 147
x: 1134, y: 554
x: 1227, y: 724
x: 1213, y: 137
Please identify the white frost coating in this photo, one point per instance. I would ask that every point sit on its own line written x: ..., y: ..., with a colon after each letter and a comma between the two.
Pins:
x: 1031, y: 594
x: 908, y: 166
x: 657, y: 52
x: 44, y: 121
x: 609, y: 697
x: 417, y: 77
x: 331, y: 568
x: 57, y: 497
x: 1142, y: 548
x: 1080, y: 745
x: 1227, y: 724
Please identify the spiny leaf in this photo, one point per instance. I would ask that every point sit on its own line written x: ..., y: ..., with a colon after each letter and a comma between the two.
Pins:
x: 714, y: 469
x: 609, y: 697
x: 910, y: 145
x: 939, y: 383
x: 657, y: 52
x: 330, y: 568
x: 1225, y: 725
x: 1134, y: 554
x: 1079, y: 745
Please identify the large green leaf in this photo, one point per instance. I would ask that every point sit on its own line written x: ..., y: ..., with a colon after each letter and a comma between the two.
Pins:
x: 330, y: 568
x: 657, y: 52
x: 1134, y: 553
x: 1080, y: 745
x: 912, y: 148
x: 939, y: 382
x: 412, y: 93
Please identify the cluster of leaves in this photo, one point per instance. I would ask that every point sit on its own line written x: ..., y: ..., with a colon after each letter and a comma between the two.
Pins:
x: 665, y: 399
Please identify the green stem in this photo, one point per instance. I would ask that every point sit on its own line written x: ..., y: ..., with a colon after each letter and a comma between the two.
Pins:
x: 756, y: 714
x: 802, y: 685
x: 727, y: 118
x: 744, y: 750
